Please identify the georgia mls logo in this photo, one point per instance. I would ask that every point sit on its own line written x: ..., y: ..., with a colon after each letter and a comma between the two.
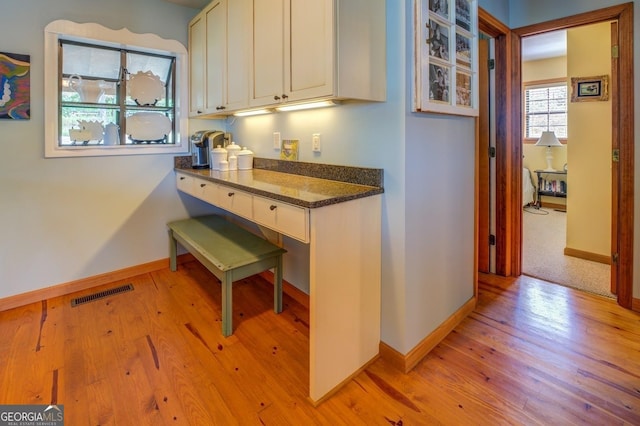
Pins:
x: 31, y: 415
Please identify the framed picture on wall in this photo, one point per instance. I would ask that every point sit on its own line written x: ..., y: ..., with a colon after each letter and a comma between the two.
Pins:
x: 590, y: 88
x: 15, y: 86
x: 446, y: 40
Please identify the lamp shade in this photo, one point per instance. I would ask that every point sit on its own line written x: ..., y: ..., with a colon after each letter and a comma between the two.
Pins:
x: 548, y: 139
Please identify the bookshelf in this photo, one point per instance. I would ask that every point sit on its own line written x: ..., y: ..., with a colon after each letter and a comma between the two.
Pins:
x: 551, y: 184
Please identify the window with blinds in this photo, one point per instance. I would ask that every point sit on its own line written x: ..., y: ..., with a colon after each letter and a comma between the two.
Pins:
x: 545, y: 109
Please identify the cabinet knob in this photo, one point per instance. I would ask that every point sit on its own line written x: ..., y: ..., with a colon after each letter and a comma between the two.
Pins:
x: 181, y: 177
x: 202, y: 185
x: 272, y: 207
x: 230, y: 194
x: 276, y: 98
x: 220, y: 107
x: 199, y: 112
x: 285, y: 96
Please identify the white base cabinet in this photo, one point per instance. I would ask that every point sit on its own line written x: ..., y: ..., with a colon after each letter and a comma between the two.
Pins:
x: 344, y: 275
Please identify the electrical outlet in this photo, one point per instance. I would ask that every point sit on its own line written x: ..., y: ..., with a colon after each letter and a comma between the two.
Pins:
x: 315, y: 142
x: 276, y: 140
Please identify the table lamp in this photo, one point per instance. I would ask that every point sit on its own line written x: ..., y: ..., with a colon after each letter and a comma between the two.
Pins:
x: 549, y: 140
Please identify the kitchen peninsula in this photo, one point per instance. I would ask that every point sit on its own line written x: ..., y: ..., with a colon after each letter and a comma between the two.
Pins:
x: 336, y: 210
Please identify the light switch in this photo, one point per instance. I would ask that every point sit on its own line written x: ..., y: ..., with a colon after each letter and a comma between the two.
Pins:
x: 276, y: 140
x: 315, y: 142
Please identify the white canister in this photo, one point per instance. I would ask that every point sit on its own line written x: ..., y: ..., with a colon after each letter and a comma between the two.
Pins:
x: 233, y: 149
x: 218, y: 154
x: 233, y: 162
x: 224, y: 166
x: 245, y: 159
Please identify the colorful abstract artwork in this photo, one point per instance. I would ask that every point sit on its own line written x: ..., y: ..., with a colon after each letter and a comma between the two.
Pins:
x: 14, y: 86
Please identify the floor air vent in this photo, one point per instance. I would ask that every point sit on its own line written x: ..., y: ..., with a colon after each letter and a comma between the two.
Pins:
x: 102, y: 294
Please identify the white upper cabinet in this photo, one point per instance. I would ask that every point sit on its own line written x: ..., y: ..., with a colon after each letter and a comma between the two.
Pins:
x: 268, y: 52
x: 238, y: 53
x: 293, y: 51
x: 220, y: 41
x: 321, y: 49
x: 287, y: 51
x: 216, y: 24
x: 197, y: 58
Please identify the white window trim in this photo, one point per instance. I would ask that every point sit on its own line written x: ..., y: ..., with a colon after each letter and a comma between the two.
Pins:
x: 92, y: 32
x: 541, y: 85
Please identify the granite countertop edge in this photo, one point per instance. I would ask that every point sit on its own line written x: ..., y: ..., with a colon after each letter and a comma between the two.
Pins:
x: 369, y: 181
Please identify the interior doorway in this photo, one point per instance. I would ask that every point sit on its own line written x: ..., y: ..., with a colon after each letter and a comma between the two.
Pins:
x: 509, y: 153
x: 566, y: 212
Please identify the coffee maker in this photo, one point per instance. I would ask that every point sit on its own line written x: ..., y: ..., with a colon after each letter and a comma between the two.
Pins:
x: 200, y: 154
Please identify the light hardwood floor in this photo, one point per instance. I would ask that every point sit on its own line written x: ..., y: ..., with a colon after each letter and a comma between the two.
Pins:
x: 531, y: 353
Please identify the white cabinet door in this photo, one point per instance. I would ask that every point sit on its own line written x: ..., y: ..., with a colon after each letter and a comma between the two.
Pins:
x: 282, y: 217
x: 197, y: 58
x: 216, y: 28
x: 309, y: 66
x: 268, y: 52
x: 220, y: 41
x: 238, y: 51
x: 293, y: 50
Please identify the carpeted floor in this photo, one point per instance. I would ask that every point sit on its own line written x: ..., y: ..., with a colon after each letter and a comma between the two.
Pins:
x: 544, y: 234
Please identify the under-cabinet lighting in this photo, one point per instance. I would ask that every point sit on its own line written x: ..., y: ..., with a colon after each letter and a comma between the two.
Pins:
x: 308, y: 105
x: 252, y: 112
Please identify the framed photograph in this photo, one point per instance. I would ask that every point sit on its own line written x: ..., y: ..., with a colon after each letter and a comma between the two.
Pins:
x: 464, y: 89
x: 439, y: 83
x: 590, y: 88
x: 463, y: 14
x: 446, y: 63
x: 438, y: 40
x: 463, y: 50
x: 440, y: 8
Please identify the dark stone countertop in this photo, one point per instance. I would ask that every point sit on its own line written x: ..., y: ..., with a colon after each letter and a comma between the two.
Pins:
x: 308, y: 185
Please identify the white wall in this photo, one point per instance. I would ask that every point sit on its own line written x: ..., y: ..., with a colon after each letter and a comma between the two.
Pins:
x: 67, y: 219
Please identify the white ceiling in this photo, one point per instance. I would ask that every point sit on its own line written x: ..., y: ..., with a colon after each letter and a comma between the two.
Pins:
x: 542, y: 46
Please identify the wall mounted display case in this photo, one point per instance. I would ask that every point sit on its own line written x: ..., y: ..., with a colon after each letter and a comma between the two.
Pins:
x: 446, y: 57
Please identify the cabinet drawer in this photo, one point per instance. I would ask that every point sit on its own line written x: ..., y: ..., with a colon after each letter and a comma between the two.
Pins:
x: 205, y: 190
x: 234, y: 200
x: 282, y: 217
x: 184, y: 183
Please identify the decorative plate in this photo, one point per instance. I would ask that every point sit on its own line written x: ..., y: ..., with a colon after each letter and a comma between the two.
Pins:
x: 148, y: 126
x: 145, y: 88
x: 95, y: 129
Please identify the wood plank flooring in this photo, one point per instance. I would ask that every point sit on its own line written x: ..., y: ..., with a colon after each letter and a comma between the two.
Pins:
x: 531, y: 353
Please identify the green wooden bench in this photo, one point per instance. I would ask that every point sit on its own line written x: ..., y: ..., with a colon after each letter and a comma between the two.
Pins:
x: 230, y: 252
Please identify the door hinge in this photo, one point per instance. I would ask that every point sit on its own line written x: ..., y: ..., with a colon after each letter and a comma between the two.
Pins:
x: 492, y: 151
x: 492, y: 64
x: 492, y: 240
x: 614, y: 257
x: 614, y: 51
x: 615, y: 157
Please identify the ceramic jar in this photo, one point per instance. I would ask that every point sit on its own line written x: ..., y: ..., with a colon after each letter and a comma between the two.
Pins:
x: 218, y: 154
x: 245, y: 159
x: 232, y: 149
